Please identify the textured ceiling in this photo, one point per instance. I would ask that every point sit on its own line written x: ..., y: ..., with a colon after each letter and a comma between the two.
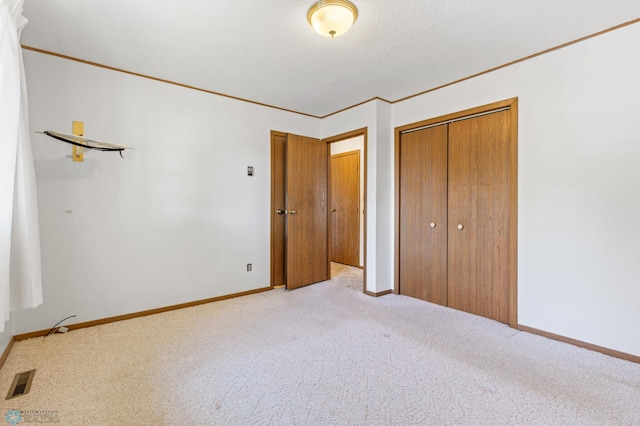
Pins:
x: 265, y: 51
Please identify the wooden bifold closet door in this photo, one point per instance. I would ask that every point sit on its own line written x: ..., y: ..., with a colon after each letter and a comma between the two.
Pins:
x: 479, y: 191
x: 423, y: 209
x: 455, y: 198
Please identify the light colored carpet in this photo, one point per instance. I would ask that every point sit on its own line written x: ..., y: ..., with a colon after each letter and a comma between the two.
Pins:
x: 324, y: 354
x: 347, y: 276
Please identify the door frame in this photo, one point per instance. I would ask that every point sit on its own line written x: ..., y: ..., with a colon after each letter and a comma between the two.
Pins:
x: 338, y: 138
x: 512, y: 105
x: 329, y: 140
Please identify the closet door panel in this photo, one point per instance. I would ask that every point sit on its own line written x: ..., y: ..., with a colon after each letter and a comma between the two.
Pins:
x: 423, y: 214
x: 479, y: 200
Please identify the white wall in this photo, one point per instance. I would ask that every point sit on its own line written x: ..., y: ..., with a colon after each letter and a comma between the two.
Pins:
x: 7, y: 334
x: 175, y: 221
x: 385, y: 198
x: 579, y: 199
x: 348, y: 145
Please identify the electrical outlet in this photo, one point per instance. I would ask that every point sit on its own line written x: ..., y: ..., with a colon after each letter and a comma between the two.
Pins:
x: 249, y: 266
x: 250, y: 171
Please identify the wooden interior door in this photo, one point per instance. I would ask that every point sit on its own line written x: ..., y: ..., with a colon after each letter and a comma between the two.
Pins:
x: 345, y: 208
x: 479, y: 215
x: 278, y: 207
x: 307, y: 227
x: 423, y: 214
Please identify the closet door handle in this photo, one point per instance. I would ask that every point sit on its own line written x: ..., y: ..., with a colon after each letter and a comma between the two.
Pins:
x: 433, y: 225
x: 292, y: 212
x: 460, y: 226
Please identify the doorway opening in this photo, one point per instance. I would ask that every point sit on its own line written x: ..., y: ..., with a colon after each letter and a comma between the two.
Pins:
x: 288, y: 263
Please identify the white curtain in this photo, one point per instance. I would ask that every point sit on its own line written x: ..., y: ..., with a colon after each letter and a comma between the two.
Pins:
x: 20, y: 270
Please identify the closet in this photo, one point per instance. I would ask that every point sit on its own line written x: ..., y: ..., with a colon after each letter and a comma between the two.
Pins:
x: 456, y: 211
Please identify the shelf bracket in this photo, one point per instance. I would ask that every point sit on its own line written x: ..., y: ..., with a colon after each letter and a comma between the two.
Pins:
x: 77, y: 152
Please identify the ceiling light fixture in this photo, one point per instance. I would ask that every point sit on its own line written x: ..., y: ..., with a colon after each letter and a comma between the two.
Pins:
x: 332, y: 18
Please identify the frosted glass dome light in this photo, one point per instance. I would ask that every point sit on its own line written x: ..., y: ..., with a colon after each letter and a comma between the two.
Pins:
x: 332, y: 18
